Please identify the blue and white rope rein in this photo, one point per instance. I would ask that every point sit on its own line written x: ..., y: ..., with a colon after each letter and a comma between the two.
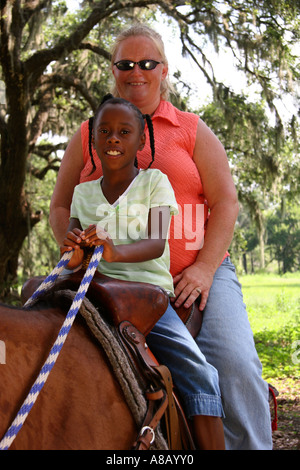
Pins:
x: 18, y: 422
x: 50, y: 280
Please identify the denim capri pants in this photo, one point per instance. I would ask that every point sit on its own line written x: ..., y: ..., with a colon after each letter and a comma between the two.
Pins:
x: 195, y: 379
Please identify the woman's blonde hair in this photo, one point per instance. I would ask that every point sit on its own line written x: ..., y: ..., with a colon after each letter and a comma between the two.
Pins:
x: 140, y: 29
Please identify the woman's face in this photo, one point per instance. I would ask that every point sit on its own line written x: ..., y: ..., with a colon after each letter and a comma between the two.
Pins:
x: 141, y: 87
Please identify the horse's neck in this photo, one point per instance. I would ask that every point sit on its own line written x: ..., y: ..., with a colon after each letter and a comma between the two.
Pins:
x: 29, y: 331
x: 81, y: 406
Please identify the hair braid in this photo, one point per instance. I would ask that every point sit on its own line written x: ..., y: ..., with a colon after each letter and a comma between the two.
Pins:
x: 151, y: 135
x: 91, y: 123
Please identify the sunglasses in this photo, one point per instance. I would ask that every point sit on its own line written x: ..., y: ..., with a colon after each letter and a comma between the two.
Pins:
x: 146, y: 64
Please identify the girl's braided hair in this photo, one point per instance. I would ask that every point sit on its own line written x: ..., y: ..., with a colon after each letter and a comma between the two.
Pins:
x: 142, y: 118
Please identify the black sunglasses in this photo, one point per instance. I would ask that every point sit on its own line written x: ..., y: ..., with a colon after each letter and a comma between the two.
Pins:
x: 146, y: 64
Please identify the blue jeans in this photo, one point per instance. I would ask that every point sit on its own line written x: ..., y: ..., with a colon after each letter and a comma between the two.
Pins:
x: 196, y: 380
x: 227, y: 342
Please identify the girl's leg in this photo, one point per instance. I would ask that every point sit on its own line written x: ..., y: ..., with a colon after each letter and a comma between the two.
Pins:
x: 209, y: 432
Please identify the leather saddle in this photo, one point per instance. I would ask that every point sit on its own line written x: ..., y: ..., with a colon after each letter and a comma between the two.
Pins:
x: 140, y: 303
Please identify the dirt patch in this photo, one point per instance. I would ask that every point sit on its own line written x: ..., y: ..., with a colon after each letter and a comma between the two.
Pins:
x: 287, y: 436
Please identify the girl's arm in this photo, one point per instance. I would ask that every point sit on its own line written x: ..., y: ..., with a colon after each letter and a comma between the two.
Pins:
x: 141, y: 250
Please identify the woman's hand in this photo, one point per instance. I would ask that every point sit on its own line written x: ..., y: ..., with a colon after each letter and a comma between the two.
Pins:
x: 191, y: 282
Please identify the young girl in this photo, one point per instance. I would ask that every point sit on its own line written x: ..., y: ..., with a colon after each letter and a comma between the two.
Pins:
x: 128, y: 212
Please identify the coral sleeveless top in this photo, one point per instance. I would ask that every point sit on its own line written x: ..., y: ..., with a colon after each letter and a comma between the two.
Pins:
x: 175, y: 137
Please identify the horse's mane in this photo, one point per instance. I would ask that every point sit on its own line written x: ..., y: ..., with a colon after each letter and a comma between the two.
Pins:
x: 49, y: 300
x: 12, y: 307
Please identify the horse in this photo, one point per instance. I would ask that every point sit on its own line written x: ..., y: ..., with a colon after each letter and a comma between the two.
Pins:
x: 81, y: 406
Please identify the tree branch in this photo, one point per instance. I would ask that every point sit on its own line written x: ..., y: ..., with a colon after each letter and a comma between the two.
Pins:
x: 5, y: 55
x: 41, y: 173
x: 32, y: 7
x: 96, y: 49
x: 41, y: 116
x: 37, y: 63
x: 45, y: 150
x: 68, y: 81
x: 3, y: 125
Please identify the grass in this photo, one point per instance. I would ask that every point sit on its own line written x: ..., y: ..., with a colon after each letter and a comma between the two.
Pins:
x: 273, y: 305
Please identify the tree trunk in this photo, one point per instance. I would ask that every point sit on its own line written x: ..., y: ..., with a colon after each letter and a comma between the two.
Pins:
x: 14, y: 209
x: 14, y: 229
x: 245, y: 263
x: 261, y: 237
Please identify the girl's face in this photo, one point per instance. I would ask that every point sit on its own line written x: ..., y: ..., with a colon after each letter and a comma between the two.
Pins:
x: 141, y: 87
x: 117, y: 136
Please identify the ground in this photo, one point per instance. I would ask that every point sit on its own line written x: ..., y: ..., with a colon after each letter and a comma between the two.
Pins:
x: 287, y: 436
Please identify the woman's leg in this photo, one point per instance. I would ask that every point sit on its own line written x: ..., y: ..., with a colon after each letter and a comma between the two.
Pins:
x: 227, y: 342
x: 195, y: 379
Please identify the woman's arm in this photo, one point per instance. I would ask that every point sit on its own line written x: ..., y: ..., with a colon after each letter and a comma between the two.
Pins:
x: 212, y: 163
x: 67, y: 179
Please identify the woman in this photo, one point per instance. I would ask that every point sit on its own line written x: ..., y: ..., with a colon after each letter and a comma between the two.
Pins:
x: 197, y: 167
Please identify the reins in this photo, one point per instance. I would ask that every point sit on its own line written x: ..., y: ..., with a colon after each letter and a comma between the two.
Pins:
x: 19, y: 420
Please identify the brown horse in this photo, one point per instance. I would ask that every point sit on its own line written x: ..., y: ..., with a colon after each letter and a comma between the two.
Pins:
x: 81, y: 406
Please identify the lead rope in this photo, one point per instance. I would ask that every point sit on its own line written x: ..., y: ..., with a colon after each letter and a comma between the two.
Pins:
x: 18, y: 422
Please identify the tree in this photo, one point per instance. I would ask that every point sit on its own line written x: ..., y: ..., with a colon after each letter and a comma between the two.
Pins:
x: 37, y: 62
x: 284, y: 237
x: 263, y: 157
x: 54, y: 66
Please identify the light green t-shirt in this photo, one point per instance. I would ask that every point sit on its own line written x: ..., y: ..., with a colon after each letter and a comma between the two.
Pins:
x: 126, y: 221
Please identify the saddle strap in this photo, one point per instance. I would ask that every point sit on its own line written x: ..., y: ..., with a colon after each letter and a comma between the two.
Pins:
x: 171, y: 416
x: 160, y: 381
x: 153, y: 416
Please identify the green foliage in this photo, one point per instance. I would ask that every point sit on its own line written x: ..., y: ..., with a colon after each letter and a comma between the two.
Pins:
x: 284, y: 237
x: 55, y: 65
x: 275, y: 350
x: 264, y: 159
x: 273, y: 305
x: 40, y: 252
